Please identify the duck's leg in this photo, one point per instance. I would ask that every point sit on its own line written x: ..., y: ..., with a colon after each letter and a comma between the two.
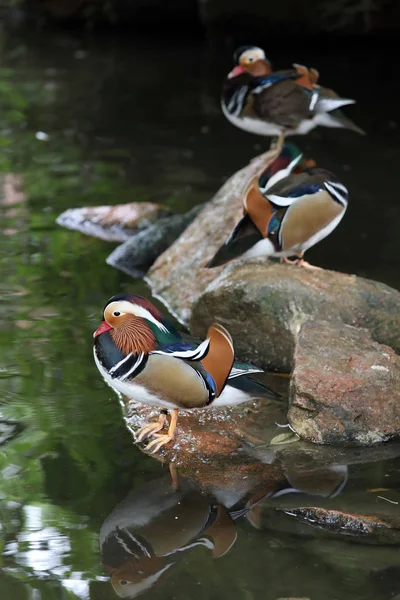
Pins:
x: 278, y: 142
x: 174, y: 475
x: 148, y: 430
x: 275, y: 147
x: 287, y: 261
x: 300, y: 262
x: 161, y: 439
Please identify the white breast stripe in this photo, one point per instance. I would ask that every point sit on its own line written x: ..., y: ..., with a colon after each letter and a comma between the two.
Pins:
x: 120, y: 363
x: 125, y: 547
x: 137, y: 364
x: 334, y: 191
x: 235, y: 105
x: 136, y: 541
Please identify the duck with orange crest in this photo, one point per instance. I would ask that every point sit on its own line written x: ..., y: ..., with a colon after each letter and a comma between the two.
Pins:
x: 279, y: 103
x: 141, y: 355
x: 287, y: 209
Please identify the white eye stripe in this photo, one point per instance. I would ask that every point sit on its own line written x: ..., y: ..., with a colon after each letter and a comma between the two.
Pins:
x: 123, y: 306
x: 253, y: 55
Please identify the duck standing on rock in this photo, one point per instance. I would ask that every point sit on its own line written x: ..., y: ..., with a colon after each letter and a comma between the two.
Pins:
x: 141, y: 355
x: 286, y: 211
x: 279, y: 103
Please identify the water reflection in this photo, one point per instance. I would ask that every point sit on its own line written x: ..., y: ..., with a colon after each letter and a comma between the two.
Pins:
x: 159, y: 523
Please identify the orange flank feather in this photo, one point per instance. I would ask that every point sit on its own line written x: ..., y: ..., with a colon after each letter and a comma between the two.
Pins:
x: 222, y: 532
x: 257, y: 207
x: 308, y: 77
x: 307, y: 163
x: 220, y: 357
x: 314, y: 75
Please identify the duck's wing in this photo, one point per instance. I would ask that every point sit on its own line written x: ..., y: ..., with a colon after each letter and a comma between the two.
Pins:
x: 212, y: 359
x: 252, y: 387
x: 285, y: 103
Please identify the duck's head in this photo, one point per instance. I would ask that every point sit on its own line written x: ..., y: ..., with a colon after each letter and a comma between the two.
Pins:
x: 134, y: 323
x: 252, y: 60
x: 137, y: 576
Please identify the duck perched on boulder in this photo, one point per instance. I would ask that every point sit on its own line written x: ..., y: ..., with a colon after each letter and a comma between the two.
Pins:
x: 279, y: 103
x: 141, y: 355
x: 287, y: 209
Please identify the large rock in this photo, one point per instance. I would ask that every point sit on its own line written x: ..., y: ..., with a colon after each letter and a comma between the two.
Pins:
x: 113, y: 223
x: 138, y: 253
x: 219, y: 435
x: 178, y: 276
x: 263, y: 305
x: 345, y: 387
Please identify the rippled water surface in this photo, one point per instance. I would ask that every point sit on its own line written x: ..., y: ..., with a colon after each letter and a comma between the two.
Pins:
x: 84, y: 513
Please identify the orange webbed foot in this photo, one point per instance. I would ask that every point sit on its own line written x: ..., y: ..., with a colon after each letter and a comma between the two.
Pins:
x: 148, y: 430
x: 299, y: 262
x: 160, y: 439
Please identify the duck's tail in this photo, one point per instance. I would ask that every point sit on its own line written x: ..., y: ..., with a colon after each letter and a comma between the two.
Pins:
x: 337, y: 119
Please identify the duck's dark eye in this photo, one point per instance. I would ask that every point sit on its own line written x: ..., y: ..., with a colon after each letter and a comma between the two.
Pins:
x: 123, y: 582
x: 250, y: 59
x: 116, y: 313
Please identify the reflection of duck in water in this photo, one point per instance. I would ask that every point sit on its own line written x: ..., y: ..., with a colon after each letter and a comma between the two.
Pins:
x: 322, y: 482
x: 155, y: 526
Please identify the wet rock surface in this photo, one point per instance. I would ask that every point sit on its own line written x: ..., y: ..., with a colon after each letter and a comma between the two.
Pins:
x: 138, y: 253
x: 345, y: 387
x: 295, y: 486
x: 206, y: 435
x: 263, y: 305
x: 113, y: 223
x: 178, y: 276
x: 346, y: 523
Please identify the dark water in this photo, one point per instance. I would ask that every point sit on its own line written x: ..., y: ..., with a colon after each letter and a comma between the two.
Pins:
x: 127, y: 119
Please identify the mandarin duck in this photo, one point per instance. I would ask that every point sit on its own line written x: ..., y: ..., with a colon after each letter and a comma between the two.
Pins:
x: 156, y: 526
x: 287, y: 209
x: 141, y: 355
x: 279, y: 103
